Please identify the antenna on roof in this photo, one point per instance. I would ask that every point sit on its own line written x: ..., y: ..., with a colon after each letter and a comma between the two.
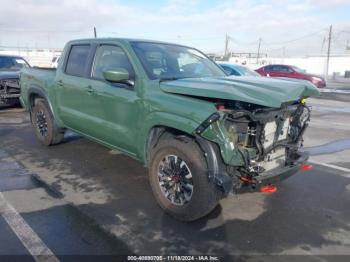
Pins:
x: 95, y: 34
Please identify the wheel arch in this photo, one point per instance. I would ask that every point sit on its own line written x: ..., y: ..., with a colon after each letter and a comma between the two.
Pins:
x: 35, y: 92
x: 160, y: 131
x: 216, y: 168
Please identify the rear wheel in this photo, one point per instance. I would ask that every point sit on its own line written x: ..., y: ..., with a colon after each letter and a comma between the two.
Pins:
x: 45, y: 127
x: 179, y: 180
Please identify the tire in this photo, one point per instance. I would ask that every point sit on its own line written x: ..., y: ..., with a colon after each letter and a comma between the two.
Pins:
x: 44, y: 124
x: 205, y: 194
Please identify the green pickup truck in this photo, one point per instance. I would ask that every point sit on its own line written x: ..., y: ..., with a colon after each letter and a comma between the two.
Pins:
x: 201, y: 133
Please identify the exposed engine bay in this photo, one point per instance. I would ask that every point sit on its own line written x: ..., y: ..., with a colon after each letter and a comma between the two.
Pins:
x: 267, y: 138
x: 9, y: 91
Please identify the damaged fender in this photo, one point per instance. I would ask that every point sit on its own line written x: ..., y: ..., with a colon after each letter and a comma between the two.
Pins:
x: 217, y: 133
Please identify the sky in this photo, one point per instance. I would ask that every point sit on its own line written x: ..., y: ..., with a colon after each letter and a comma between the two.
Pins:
x: 286, y: 27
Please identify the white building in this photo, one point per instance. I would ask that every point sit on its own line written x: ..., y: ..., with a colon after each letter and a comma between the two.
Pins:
x: 35, y: 57
x: 312, y: 64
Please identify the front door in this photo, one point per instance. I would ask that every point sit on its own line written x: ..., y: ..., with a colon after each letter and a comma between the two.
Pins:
x: 113, y: 108
x: 280, y: 71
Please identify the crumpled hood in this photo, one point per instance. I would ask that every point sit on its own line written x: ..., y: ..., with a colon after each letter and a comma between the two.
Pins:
x: 256, y: 90
x: 9, y: 74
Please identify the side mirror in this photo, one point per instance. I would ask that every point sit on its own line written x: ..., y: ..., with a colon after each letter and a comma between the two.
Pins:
x: 116, y: 75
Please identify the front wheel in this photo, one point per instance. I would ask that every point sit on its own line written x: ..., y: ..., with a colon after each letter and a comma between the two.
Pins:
x: 179, y: 180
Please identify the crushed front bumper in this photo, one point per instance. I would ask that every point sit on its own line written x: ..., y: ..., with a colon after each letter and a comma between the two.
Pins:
x: 9, y: 90
x: 7, y: 96
x: 9, y: 99
x: 279, y: 174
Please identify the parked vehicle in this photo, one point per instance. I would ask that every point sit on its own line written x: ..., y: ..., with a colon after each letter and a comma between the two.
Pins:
x: 200, y: 133
x: 54, y: 62
x: 291, y: 72
x: 10, y: 67
x: 237, y: 70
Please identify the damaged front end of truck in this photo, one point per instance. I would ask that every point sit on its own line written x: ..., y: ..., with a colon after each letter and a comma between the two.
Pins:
x: 9, y: 91
x: 253, y: 136
x: 256, y: 145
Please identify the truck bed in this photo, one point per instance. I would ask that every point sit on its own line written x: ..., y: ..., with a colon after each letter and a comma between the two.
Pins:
x: 36, y: 77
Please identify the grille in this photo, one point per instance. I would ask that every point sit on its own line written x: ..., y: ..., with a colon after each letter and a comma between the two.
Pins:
x: 9, y: 86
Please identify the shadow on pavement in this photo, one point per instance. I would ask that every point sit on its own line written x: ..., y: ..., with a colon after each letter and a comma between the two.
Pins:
x: 305, y: 215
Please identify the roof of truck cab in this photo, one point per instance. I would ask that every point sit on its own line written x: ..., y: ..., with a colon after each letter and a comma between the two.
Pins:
x: 125, y: 40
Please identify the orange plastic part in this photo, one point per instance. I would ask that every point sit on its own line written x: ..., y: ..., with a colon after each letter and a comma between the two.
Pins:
x: 306, y: 167
x: 220, y: 107
x: 268, y: 189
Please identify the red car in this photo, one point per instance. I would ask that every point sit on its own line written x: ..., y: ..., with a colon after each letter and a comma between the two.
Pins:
x: 291, y: 72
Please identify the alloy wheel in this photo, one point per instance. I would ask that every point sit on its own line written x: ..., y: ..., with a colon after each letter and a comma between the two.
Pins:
x: 175, y: 180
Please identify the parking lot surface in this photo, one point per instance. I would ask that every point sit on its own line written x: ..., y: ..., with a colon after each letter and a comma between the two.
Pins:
x: 82, y: 198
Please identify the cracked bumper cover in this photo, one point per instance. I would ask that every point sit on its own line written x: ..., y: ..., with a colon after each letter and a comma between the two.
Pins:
x: 267, y: 178
x: 279, y: 174
x: 5, y: 96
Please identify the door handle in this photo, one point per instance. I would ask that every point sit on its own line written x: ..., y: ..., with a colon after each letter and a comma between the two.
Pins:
x: 90, y: 90
x: 60, y: 83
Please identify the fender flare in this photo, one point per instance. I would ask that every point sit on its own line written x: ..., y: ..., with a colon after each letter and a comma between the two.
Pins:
x: 217, y: 173
x: 161, y: 120
x: 37, y: 90
x: 216, y: 168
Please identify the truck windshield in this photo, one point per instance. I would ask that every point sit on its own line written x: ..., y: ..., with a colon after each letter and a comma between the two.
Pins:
x: 170, y: 62
x: 8, y: 62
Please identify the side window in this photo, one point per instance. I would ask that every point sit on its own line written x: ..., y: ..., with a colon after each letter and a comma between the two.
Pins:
x: 268, y: 68
x: 285, y: 69
x: 110, y: 57
x: 290, y: 70
x: 77, y: 60
x: 276, y: 68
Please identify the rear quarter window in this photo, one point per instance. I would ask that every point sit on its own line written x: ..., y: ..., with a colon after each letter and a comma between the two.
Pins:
x: 78, y: 60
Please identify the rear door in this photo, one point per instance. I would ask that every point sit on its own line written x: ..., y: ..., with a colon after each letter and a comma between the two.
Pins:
x: 72, y: 87
x: 279, y: 71
x: 286, y: 71
x: 265, y: 71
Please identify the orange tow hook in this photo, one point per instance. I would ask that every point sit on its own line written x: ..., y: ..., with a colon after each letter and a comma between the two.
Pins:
x: 306, y: 167
x: 268, y: 189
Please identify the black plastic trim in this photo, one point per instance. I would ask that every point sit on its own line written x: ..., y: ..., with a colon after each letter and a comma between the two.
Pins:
x: 216, y: 171
x: 204, y: 125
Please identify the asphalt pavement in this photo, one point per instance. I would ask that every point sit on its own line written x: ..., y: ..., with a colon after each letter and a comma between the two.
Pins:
x: 80, y: 198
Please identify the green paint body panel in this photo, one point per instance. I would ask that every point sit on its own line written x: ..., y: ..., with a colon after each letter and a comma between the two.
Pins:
x: 255, y: 90
x: 122, y: 118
